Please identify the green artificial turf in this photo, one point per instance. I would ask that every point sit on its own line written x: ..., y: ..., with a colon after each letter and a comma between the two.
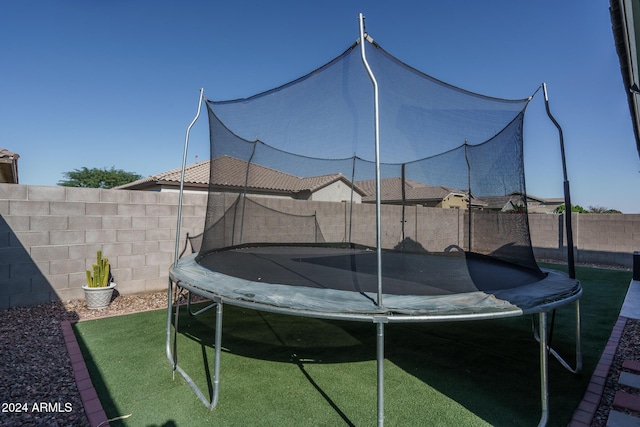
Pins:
x: 288, y: 371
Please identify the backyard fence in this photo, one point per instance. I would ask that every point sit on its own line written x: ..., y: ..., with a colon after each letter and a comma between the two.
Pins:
x: 50, y: 235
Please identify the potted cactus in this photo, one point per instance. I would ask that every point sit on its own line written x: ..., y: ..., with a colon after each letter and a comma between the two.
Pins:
x: 99, y: 287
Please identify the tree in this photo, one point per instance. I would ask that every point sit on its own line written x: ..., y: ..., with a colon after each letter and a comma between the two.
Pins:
x: 603, y: 210
x: 518, y: 208
x: 97, y: 178
x: 574, y: 208
x: 592, y: 209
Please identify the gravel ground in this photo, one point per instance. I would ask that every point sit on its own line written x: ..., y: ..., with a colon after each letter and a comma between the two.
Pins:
x: 36, y: 368
x: 628, y: 349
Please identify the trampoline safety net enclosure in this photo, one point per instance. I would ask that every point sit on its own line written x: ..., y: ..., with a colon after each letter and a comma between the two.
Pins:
x: 369, y: 190
x: 296, y: 174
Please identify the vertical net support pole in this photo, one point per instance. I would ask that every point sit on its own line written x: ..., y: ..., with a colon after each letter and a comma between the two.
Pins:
x: 380, y: 370
x: 184, y: 164
x: 578, y: 338
x: 244, y: 193
x: 567, y: 194
x: 404, y: 204
x: 353, y: 177
x: 380, y: 323
x: 173, y: 358
x: 470, y: 220
x: 377, y: 147
x: 544, y: 369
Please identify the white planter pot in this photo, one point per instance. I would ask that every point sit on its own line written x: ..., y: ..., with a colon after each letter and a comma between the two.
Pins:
x: 98, y: 298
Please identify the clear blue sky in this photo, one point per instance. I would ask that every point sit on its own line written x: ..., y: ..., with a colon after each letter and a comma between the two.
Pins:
x: 115, y: 83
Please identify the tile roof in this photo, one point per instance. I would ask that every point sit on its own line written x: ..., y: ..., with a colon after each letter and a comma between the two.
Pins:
x: 515, y: 199
x: 8, y: 166
x: 197, y: 173
x: 231, y: 172
x: 391, y: 190
x: 7, y: 156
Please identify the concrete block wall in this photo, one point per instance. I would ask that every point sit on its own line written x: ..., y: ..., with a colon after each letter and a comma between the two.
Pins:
x: 548, y: 236
x: 432, y: 228
x: 490, y: 231
x: 438, y: 229
x: 363, y: 225
x: 600, y: 239
x: 332, y: 217
x: 49, y: 237
x: 298, y: 224
x: 608, y: 239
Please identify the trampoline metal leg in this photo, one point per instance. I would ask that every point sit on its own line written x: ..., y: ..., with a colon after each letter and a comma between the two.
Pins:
x: 380, y: 373
x: 202, y: 310
x: 578, y: 338
x: 542, y: 336
x: 168, y: 351
x: 544, y: 369
x: 218, y: 350
x: 172, y: 356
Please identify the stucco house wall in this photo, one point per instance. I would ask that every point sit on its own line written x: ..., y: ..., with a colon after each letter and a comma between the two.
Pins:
x: 337, y: 191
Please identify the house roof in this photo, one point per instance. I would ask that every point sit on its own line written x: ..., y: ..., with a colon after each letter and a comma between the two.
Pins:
x: 230, y: 172
x: 414, y: 191
x: 8, y: 166
x: 623, y: 18
x: 499, y: 202
x: 391, y: 190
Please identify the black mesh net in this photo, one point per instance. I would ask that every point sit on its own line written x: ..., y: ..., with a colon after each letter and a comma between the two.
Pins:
x: 296, y: 165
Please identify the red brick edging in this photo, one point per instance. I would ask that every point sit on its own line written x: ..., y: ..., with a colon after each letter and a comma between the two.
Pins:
x: 585, y: 412
x: 624, y: 400
x: 92, y: 406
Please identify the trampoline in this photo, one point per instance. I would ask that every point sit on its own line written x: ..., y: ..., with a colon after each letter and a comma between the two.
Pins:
x: 334, y: 281
x: 297, y: 234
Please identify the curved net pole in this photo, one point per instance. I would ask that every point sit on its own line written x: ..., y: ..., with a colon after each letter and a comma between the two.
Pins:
x: 184, y: 164
x: 172, y: 356
x: 353, y: 177
x: 377, y: 142
x: 544, y: 370
x: 244, y: 193
x: 544, y: 346
x: 380, y: 323
x: 404, y: 203
x: 567, y: 194
x: 470, y: 219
